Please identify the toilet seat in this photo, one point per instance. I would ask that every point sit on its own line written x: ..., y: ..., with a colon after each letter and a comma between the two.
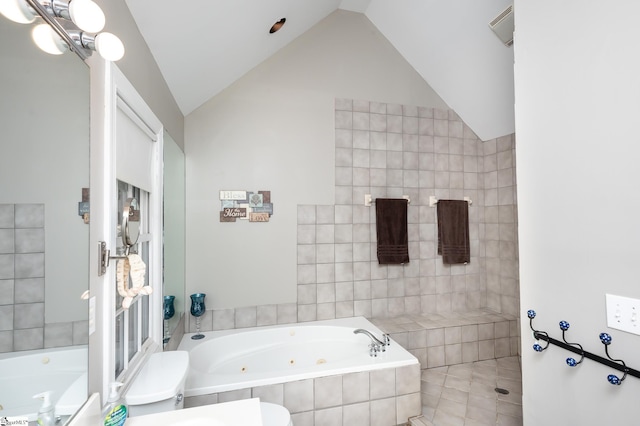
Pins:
x: 275, y: 415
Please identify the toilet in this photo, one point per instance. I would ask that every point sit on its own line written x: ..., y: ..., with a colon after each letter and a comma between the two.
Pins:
x: 275, y: 415
x: 160, y: 384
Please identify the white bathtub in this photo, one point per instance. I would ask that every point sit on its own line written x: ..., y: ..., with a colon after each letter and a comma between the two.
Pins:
x: 63, y: 371
x: 251, y: 357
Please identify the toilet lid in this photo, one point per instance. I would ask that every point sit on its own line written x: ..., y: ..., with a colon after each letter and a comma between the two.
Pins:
x: 274, y: 415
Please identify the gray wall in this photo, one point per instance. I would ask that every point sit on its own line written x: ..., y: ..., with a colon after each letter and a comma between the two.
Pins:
x: 577, y: 90
x: 274, y: 130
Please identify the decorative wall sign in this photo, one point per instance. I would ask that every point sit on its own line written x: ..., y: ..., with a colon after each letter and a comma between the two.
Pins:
x: 245, y: 205
x: 258, y: 217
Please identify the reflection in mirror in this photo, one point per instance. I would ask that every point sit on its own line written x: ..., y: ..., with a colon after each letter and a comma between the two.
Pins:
x: 44, y: 239
x: 130, y: 223
x: 174, y: 234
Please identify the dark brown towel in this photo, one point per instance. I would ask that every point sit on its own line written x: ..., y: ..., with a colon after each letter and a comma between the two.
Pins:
x: 453, y: 231
x: 391, y: 231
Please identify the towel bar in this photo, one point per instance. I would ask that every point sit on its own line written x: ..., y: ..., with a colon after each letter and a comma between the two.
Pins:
x: 368, y: 200
x: 433, y: 200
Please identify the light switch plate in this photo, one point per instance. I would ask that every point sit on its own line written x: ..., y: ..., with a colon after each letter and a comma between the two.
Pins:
x: 623, y: 313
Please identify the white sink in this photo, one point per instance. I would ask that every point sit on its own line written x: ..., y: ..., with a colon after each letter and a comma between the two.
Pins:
x: 245, y: 412
x: 202, y: 421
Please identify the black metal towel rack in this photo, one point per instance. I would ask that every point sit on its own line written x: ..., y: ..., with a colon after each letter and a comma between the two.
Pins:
x: 576, y: 348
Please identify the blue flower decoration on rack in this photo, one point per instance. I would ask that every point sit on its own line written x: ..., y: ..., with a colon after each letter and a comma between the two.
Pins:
x: 605, y: 338
x: 571, y: 362
x: 537, y: 348
x: 564, y: 326
x: 613, y: 379
x: 531, y: 313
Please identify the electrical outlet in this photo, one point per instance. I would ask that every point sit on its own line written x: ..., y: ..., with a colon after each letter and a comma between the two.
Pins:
x: 623, y: 313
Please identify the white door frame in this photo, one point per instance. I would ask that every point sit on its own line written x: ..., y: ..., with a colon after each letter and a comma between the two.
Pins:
x: 108, y: 84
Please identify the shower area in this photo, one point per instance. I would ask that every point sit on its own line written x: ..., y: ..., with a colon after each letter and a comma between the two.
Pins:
x: 391, y: 151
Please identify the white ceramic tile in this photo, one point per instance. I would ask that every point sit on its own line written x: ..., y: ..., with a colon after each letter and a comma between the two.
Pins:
x: 357, y: 414
x: 344, y: 119
x: 30, y: 265
x: 27, y: 339
x: 360, y: 120
x: 7, y: 268
x: 383, y: 412
x: 326, y: 311
x: 378, y: 140
x: 307, y: 312
x: 246, y: 317
x: 266, y: 315
x: 287, y: 313
x: 327, y: 392
x: 29, y: 215
x: 28, y: 315
x: 344, y: 138
x: 328, y: 417
x: 410, y: 125
x: 273, y: 394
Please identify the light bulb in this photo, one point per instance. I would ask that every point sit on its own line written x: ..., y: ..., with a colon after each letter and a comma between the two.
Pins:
x: 48, y: 40
x: 109, y: 46
x: 17, y: 11
x: 87, y: 15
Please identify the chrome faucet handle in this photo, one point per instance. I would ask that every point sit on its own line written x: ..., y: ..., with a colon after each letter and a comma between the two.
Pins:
x: 386, y: 339
x: 374, y: 349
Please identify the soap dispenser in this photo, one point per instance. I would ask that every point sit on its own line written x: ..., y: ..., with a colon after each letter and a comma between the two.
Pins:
x: 46, y: 416
x: 115, y: 413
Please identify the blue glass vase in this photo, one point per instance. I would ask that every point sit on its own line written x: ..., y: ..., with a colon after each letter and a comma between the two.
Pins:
x: 168, y: 311
x: 197, y: 310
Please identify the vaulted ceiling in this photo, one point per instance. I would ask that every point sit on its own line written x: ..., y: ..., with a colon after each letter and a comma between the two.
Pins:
x: 203, y: 46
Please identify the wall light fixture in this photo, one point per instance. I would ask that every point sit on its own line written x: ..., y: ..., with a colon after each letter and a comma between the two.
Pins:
x: 72, y: 24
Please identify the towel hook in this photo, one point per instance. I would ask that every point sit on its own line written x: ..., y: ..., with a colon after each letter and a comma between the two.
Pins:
x: 536, y: 333
x: 606, y: 339
x: 571, y: 362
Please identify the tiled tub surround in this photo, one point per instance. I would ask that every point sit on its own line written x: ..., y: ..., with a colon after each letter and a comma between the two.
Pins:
x: 350, y: 388
x: 22, y: 284
x: 372, y: 398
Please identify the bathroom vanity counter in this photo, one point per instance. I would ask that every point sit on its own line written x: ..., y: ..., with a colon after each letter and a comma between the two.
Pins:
x: 244, y: 412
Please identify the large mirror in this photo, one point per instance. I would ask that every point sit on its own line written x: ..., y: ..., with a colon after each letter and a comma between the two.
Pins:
x: 174, y: 237
x: 44, y: 237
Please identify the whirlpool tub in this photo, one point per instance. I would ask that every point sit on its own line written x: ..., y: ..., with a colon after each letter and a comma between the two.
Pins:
x: 62, y: 371
x: 298, y: 359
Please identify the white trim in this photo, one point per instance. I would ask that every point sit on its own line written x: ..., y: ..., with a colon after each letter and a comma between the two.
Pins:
x: 108, y: 88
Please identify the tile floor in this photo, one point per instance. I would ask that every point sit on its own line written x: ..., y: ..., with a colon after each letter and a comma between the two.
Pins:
x: 464, y: 394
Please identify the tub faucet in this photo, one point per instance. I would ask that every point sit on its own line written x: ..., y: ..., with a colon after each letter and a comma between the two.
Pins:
x: 376, y: 344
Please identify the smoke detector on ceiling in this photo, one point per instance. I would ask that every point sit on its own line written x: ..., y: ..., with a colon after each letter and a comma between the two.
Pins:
x: 503, y: 26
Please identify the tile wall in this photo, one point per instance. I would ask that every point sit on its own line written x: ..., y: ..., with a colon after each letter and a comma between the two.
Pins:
x: 371, y: 398
x: 499, y: 227
x: 394, y: 150
x: 22, y: 284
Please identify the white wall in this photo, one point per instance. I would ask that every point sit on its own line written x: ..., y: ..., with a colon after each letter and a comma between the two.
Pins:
x: 462, y: 52
x: 577, y: 86
x: 141, y: 69
x: 274, y: 130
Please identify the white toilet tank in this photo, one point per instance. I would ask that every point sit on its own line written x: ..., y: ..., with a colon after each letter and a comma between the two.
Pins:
x: 160, y: 384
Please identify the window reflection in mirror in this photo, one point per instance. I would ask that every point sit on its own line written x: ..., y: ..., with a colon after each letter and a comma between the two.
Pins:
x: 44, y: 241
